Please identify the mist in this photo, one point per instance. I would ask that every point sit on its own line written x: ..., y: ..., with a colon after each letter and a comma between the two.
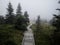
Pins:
x: 44, y: 8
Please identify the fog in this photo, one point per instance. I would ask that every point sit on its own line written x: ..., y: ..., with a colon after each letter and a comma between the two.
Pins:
x: 44, y: 8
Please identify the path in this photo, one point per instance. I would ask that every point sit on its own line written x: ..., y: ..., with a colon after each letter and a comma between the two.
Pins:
x: 28, y: 37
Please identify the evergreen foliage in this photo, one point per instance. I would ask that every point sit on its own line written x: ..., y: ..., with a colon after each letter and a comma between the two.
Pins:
x: 56, y: 35
x: 26, y: 17
x: 10, y: 15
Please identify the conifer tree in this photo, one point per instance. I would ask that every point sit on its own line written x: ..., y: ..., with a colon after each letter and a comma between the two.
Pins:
x: 38, y: 23
x: 56, y: 34
x: 20, y: 19
x: 10, y: 15
x: 18, y: 11
x: 26, y: 17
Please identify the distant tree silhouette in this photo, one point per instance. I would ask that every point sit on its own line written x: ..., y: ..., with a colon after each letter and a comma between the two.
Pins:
x: 18, y: 11
x: 10, y: 15
x: 26, y: 17
x: 37, y: 31
x: 38, y: 23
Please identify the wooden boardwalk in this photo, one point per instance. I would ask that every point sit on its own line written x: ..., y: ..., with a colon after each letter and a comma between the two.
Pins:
x: 28, y: 37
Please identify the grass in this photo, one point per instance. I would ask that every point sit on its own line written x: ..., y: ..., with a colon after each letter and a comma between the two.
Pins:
x: 10, y: 36
x: 42, y: 36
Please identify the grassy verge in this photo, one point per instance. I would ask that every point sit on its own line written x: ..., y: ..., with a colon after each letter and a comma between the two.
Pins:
x: 43, y: 36
x: 10, y: 36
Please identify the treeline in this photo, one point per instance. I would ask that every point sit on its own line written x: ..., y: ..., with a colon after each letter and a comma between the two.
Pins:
x: 12, y: 26
x: 42, y: 32
x: 49, y: 33
x: 19, y: 20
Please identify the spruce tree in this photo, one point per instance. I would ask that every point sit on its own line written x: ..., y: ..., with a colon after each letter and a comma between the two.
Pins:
x: 10, y: 15
x: 37, y: 31
x: 20, y: 20
x: 26, y: 17
x: 38, y: 23
x: 18, y: 11
x: 56, y: 23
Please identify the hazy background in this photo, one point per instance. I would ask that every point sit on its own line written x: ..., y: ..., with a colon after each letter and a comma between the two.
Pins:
x: 44, y: 8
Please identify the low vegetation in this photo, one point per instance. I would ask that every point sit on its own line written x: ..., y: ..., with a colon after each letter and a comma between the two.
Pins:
x: 10, y: 36
x: 12, y: 26
x: 43, y: 32
x: 43, y: 36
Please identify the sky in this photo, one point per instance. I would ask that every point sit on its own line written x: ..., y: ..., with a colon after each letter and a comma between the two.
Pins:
x: 44, y: 8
